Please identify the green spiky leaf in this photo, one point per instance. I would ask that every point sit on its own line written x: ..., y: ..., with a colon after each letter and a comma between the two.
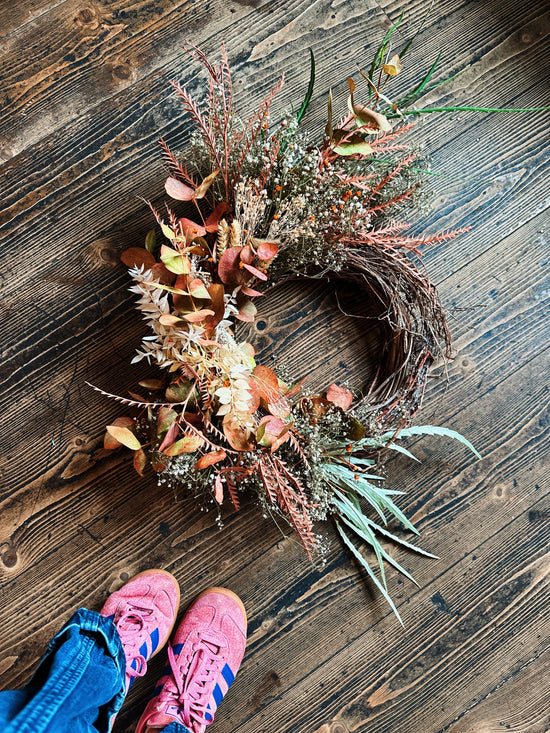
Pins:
x: 349, y: 544
x: 433, y: 430
x: 307, y: 98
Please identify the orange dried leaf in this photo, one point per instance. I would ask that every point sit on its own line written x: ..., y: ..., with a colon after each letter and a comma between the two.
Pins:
x: 254, y: 400
x: 110, y: 443
x: 211, y: 224
x: 187, y: 444
x: 269, y: 389
x: 217, y: 304
x: 238, y: 434
x: 210, y: 459
x: 136, y: 257
x: 152, y: 384
x: 124, y: 436
x: 140, y: 461
x: 166, y: 417
x: 205, y: 185
x: 267, y: 382
x: 159, y: 463
x: 315, y: 405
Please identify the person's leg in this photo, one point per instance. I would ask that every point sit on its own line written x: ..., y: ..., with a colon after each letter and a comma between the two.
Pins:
x: 77, y: 682
x: 203, y: 659
x: 82, y: 680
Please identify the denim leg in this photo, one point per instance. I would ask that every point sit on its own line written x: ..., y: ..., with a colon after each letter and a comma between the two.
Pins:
x: 78, y: 686
x: 176, y: 728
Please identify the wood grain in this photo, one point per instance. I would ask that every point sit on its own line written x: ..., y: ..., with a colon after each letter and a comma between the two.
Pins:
x: 84, y: 98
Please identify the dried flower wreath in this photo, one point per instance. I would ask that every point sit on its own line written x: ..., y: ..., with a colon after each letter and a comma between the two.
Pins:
x: 269, y: 203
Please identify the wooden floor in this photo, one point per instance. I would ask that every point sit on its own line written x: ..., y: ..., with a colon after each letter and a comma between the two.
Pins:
x: 84, y: 96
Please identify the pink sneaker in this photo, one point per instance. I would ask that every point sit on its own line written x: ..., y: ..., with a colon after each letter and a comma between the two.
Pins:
x: 144, y: 611
x: 204, y: 657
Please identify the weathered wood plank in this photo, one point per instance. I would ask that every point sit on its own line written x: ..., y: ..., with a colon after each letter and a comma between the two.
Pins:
x: 472, y: 521
x: 518, y: 703
x: 78, y: 137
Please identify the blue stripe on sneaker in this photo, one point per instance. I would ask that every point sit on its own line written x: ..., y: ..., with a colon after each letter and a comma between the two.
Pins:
x: 154, y: 640
x: 218, y: 695
x: 228, y: 675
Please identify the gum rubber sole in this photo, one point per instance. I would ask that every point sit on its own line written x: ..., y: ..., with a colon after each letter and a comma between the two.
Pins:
x: 225, y: 592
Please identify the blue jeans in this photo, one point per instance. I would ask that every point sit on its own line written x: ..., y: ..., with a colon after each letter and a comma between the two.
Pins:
x: 78, y: 686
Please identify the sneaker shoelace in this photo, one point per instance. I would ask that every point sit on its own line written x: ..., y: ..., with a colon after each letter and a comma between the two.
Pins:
x: 194, y: 677
x: 130, y: 624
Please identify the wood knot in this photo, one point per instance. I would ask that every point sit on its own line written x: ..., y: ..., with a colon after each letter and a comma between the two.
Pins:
x: 501, y: 493
x: 102, y: 252
x: 339, y: 727
x: 122, y: 72
x: 10, y: 557
x: 86, y: 17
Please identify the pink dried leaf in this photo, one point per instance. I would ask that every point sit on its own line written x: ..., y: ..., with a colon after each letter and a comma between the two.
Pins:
x: 340, y: 396
x: 178, y: 190
x: 170, y: 436
x: 218, y: 489
x: 198, y: 316
x: 257, y: 273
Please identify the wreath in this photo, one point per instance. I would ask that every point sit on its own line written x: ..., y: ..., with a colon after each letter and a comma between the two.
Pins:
x: 256, y: 204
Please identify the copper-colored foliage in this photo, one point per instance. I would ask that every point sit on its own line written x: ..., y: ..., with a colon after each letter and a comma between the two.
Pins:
x: 136, y: 257
x: 284, y: 490
x: 340, y: 396
x: 209, y: 459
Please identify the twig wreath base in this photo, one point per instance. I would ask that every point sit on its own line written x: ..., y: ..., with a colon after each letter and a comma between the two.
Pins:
x: 258, y: 204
